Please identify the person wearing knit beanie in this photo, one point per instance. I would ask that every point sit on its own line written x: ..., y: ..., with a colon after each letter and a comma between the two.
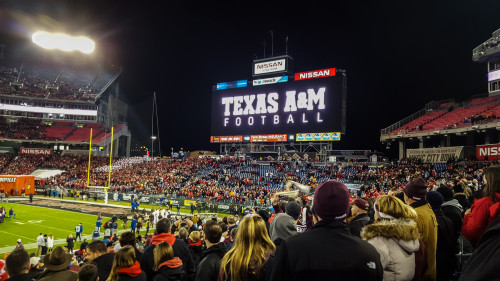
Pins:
x: 328, y: 249
x: 435, y: 199
x: 415, y: 195
x: 446, y: 192
x: 331, y: 201
x: 416, y: 189
x: 447, y: 236
x: 293, y: 209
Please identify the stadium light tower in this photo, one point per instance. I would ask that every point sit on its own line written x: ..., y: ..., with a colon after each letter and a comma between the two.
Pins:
x: 63, y: 42
x: 153, y: 138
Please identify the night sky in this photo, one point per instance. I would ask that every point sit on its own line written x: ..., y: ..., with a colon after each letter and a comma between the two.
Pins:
x: 399, y: 55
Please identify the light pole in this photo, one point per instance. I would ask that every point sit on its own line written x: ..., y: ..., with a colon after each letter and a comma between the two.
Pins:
x: 152, y: 145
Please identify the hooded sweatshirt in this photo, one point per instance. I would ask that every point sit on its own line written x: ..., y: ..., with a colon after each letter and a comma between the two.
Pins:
x: 397, y: 242
x: 282, y: 227
x: 181, y: 250
x: 170, y: 270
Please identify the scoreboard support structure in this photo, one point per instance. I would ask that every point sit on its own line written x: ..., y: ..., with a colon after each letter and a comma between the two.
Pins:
x: 277, y: 149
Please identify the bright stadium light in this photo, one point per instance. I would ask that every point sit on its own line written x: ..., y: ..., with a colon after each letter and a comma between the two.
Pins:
x: 63, y: 42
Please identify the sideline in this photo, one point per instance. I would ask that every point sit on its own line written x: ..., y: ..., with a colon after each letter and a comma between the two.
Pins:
x: 57, y: 242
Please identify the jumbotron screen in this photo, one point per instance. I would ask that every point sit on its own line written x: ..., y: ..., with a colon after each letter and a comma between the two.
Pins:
x: 293, y: 107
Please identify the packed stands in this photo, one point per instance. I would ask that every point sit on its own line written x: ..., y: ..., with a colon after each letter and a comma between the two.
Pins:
x: 53, y: 82
x: 218, y: 179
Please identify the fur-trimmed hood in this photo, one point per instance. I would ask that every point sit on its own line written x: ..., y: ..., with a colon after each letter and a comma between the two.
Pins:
x: 401, y: 229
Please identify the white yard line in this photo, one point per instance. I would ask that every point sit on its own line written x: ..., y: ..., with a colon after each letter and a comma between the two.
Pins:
x: 17, y: 235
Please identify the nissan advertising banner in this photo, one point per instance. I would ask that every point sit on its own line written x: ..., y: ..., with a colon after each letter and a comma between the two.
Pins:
x: 311, y: 105
x: 488, y: 152
x: 435, y: 155
x: 35, y: 151
x: 272, y: 66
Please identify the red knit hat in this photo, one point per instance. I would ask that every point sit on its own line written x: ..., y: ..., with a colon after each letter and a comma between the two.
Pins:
x: 331, y: 201
x: 416, y: 189
x: 362, y: 204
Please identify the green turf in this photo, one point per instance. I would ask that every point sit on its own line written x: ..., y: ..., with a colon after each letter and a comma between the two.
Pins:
x: 127, y: 204
x: 32, y: 220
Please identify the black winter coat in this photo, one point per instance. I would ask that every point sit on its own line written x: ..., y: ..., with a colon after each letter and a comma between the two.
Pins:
x: 446, y: 260
x: 328, y: 250
x: 104, y: 264
x: 209, y: 267
x: 484, y: 263
x: 358, y: 222
x: 196, y: 253
x: 181, y: 250
x: 125, y: 277
x: 456, y: 217
x: 170, y: 274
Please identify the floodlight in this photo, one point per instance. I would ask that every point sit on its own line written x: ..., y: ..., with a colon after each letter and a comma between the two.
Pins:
x: 63, y: 42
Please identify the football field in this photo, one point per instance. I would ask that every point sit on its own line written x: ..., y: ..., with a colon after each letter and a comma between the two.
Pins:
x: 31, y: 220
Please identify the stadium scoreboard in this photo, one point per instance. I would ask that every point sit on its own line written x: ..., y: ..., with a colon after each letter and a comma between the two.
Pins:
x: 306, y: 106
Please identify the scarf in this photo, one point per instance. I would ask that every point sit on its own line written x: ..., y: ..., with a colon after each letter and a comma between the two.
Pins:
x: 195, y: 244
x: 133, y: 271
x: 163, y: 237
x: 173, y: 263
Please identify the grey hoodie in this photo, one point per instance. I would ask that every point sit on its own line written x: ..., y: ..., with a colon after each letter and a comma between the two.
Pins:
x: 453, y: 202
x: 282, y: 226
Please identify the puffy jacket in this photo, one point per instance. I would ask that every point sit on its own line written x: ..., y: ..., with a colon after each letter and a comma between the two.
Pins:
x: 482, y: 213
x: 397, y: 242
x: 209, y: 267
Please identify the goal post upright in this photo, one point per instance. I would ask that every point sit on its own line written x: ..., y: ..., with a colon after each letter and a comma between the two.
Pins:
x: 110, y: 162
x: 90, y: 153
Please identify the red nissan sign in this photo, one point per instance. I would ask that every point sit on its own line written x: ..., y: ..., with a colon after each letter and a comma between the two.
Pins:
x: 315, y: 74
x: 488, y: 152
x: 35, y: 151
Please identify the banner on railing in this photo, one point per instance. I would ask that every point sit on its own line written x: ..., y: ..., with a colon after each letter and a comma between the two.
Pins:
x: 435, y: 155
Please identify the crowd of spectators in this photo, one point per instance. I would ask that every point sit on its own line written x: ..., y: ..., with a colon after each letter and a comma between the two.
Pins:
x: 391, y: 235
x: 231, y: 179
x: 30, y: 84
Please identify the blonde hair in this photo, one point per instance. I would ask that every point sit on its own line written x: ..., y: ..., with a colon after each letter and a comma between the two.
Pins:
x: 252, y: 244
x: 124, y: 258
x: 183, y: 233
x: 394, y: 207
x: 195, y: 236
x: 162, y: 253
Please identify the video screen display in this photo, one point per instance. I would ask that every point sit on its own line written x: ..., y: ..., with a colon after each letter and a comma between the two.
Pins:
x: 293, y: 107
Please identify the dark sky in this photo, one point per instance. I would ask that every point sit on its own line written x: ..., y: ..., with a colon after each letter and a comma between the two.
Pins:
x: 399, y: 55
